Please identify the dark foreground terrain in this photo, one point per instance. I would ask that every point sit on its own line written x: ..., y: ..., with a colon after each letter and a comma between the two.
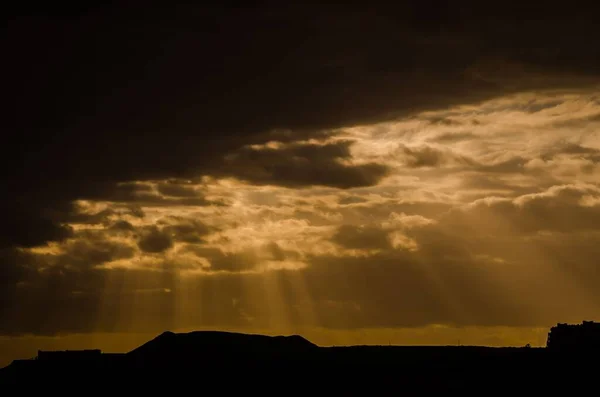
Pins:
x: 227, y: 362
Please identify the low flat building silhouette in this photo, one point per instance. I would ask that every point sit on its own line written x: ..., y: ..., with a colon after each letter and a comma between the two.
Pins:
x: 574, y: 337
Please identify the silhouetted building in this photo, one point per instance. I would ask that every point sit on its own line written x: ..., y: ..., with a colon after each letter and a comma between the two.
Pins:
x: 574, y: 337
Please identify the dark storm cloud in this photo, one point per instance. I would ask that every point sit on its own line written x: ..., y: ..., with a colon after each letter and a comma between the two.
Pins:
x: 534, y: 106
x: 176, y: 190
x: 100, y: 217
x: 572, y: 149
x: 278, y: 253
x: 154, y: 240
x: 423, y: 157
x: 88, y: 252
x: 121, y: 226
x: 364, y: 213
x: 224, y: 261
x: 101, y: 97
x: 427, y: 156
x: 29, y: 229
x: 446, y: 121
x: 111, y: 218
x: 501, y: 186
x: 361, y: 237
x: 185, y: 230
x: 144, y: 194
x: 302, y: 164
x: 451, y: 137
x: 348, y: 200
x: 567, y: 208
x: 107, y: 95
x: 512, y: 165
x: 578, y: 122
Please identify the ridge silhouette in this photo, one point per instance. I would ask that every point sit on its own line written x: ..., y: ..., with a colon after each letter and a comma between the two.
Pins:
x: 236, y: 361
x: 198, y: 342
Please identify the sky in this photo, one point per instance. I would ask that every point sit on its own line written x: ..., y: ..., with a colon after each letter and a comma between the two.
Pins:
x: 375, y: 174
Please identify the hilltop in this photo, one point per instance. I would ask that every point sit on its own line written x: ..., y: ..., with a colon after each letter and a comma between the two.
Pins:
x: 206, y: 342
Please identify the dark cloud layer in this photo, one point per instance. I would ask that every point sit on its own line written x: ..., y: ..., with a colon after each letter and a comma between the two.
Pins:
x: 300, y: 164
x: 102, y: 103
x: 103, y: 95
x: 427, y: 156
x: 561, y: 208
x: 186, y: 230
x: 354, y: 237
x: 155, y: 241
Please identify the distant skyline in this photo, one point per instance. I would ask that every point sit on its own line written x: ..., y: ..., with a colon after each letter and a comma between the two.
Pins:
x: 358, y: 175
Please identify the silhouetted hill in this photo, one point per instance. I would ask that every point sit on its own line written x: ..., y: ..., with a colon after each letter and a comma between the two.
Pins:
x: 232, y: 361
x: 217, y: 351
x: 169, y: 344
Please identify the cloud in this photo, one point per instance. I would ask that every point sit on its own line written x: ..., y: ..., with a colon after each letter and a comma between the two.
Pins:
x: 303, y: 164
x: 407, y: 221
x: 297, y: 73
x: 152, y: 194
x: 351, y: 200
x: 174, y: 189
x: 560, y: 208
x: 155, y: 240
x: 353, y: 237
x: 186, y: 230
x: 511, y: 165
x: 24, y: 229
x: 468, y: 275
x: 88, y: 252
x: 224, y: 261
x: 449, y: 137
x: 122, y: 226
x: 427, y: 156
x: 571, y: 149
x: 499, y: 241
x: 328, y: 165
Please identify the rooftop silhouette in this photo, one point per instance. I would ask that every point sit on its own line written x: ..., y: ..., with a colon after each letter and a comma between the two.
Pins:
x: 570, y: 337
